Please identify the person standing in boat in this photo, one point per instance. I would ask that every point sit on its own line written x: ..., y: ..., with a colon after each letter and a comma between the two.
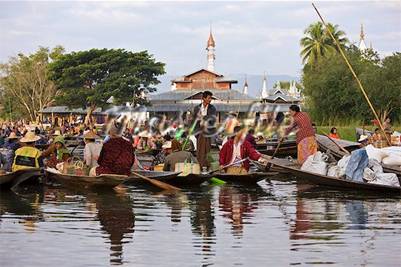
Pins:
x: 116, y: 156
x: 236, y: 149
x: 204, y: 119
x: 306, y: 140
x: 28, y: 156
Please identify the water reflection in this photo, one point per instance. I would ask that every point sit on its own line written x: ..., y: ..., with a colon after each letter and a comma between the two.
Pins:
x: 239, y: 203
x: 115, y: 215
x: 26, y: 208
x: 295, y: 224
x: 202, y: 218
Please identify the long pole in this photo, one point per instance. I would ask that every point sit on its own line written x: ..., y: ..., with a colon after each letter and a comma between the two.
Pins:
x: 353, y: 73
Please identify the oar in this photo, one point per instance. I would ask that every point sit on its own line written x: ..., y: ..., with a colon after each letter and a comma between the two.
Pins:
x: 269, y: 164
x: 340, y: 147
x: 228, y: 165
x: 157, y: 183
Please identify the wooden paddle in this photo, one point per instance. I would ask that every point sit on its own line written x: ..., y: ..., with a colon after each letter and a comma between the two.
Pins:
x: 157, y: 183
x: 340, y: 147
x: 228, y: 165
x: 269, y: 164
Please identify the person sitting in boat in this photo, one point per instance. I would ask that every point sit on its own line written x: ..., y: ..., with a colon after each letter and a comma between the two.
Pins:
x: 11, y: 146
x: 27, y: 156
x: 92, y: 149
x: 177, y: 156
x: 306, y: 140
x: 160, y: 158
x: 58, y: 152
x: 334, y: 134
x: 236, y: 149
x: 363, y: 140
x: 250, y: 137
x: 117, y: 154
x: 259, y: 138
x: 376, y: 136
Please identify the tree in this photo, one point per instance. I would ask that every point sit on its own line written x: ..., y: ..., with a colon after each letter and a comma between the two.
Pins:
x: 89, y: 78
x: 318, y: 44
x: 24, y: 82
x: 332, y: 93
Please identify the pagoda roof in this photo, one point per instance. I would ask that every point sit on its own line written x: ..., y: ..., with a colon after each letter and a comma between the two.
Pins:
x: 179, y: 95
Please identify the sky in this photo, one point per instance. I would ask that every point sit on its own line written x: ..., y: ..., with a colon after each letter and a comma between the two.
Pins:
x: 251, y: 37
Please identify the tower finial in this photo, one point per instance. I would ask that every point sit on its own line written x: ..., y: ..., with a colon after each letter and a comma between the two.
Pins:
x: 210, y: 51
x: 245, y: 91
x: 362, y: 35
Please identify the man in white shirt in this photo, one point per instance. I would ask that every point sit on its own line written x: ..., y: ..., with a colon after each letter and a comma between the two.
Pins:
x: 205, y: 117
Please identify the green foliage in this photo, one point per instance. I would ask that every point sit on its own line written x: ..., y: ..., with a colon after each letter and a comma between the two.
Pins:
x: 332, y: 93
x: 317, y: 43
x: 90, y: 78
x: 25, y: 87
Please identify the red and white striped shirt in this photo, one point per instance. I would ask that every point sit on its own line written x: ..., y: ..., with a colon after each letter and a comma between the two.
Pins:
x: 303, y: 126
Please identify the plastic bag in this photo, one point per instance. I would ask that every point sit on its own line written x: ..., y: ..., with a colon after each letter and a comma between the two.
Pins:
x: 334, y: 171
x: 390, y: 179
x: 392, y: 160
x: 376, y: 153
x: 316, y: 164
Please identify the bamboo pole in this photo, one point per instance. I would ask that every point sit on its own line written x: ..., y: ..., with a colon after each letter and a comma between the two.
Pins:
x: 353, y: 73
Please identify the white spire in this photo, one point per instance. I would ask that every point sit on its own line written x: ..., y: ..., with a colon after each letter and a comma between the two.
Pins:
x: 362, y: 46
x: 293, y: 89
x: 173, y: 86
x: 278, y: 85
x: 210, y: 51
x: 264, y: 87
x: 246, y: 86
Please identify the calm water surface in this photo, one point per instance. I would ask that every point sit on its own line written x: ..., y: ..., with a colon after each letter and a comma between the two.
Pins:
x: 271, y: 224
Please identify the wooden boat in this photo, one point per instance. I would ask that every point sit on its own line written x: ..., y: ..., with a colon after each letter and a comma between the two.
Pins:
x: 252, y: 177
x: 173, y: 178
x: 326, y: 144
x: 287, y: 148
x: 318, y: 179
x: 13, y: 179
x: 83, y: 180
x: 108, y: 180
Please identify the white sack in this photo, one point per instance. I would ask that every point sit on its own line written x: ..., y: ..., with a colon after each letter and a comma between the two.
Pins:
x: 315, y: 164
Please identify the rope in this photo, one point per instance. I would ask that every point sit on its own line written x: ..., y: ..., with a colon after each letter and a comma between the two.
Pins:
x: 353, y: 73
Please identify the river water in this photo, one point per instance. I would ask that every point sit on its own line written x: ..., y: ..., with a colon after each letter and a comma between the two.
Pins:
x: 276, y: 223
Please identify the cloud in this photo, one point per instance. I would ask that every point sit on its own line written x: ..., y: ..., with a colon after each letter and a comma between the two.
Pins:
x: 251, y: 36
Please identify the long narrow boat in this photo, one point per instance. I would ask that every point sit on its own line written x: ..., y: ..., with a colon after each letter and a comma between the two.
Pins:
x: 318, y: 179
x: 110, y: 180
x: 83, y: 180
x: 13, y: 179
x: 252, y: 177
x: 287, y: 148
x: 326, y: 144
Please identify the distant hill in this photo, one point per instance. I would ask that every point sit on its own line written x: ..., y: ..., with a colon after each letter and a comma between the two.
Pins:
x: 254, y: 82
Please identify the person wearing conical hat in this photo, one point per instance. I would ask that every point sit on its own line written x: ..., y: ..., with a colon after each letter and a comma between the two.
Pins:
x: 28, y: 156
x: 59, y: 154
x: 92, y: 149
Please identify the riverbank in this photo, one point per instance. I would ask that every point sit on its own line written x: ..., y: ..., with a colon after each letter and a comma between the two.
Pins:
x: 348, y: 132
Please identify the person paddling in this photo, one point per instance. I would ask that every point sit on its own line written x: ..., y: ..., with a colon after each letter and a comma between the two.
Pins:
x: 306, y: 140
x: 28, y: 156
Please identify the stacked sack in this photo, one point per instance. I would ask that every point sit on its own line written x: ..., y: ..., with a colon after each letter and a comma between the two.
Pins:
x: 389, y: 155
x: 316, y: 163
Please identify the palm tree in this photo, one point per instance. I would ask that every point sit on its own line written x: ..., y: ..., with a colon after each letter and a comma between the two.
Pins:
x: 317, y: 42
